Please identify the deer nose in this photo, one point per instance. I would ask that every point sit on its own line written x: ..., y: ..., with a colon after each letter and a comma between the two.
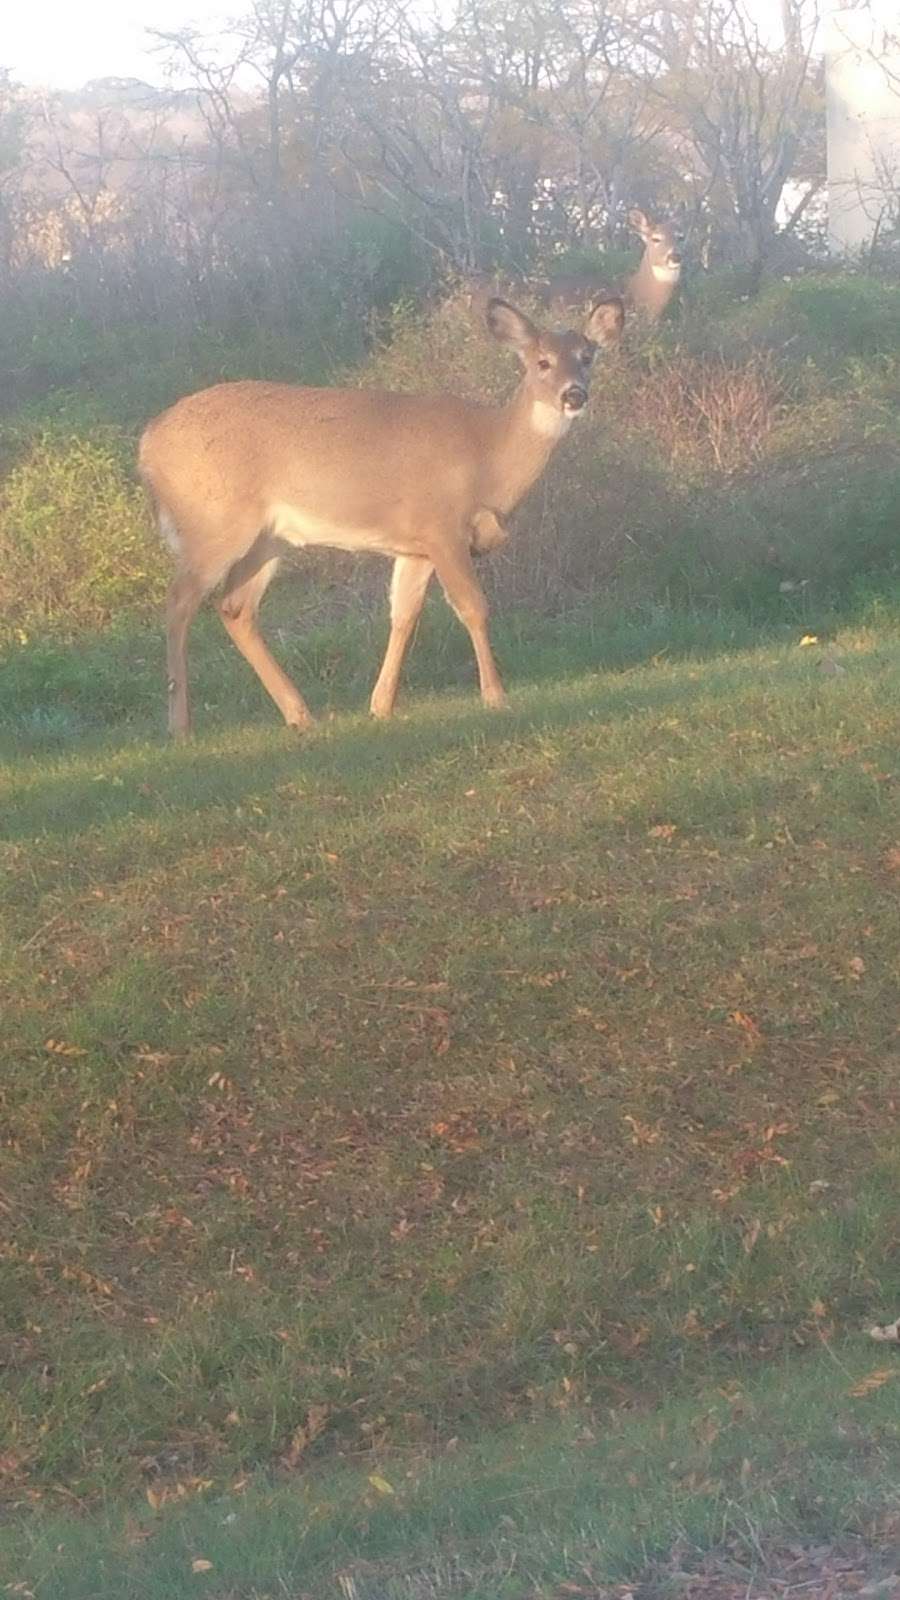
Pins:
x: 674, y: 258
x: 575, y: 397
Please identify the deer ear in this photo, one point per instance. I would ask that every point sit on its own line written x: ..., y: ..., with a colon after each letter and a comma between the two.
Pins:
x: 606, y: 320
x: 510, y: 326
x: 639, y: 222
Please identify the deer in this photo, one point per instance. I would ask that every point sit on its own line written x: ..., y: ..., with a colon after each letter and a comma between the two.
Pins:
x: 651, y: 287
x: 240, y: 473
x: 647, y: 291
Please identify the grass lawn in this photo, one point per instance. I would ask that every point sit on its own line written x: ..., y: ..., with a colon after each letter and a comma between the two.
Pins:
x: 457, y: 1154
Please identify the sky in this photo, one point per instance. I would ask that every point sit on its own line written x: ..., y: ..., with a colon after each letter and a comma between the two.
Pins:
x: 59, y: 45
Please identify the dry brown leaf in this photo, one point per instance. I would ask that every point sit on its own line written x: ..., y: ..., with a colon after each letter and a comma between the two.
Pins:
x: 642, y: 1132
x: 872, y: 1381
x: 316, y: 1417
x: 751, y: 1235
x: 886, y: 1333
x: 747, y: 1023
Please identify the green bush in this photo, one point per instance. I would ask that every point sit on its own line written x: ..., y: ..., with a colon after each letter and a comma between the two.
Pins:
x: 77, y: 546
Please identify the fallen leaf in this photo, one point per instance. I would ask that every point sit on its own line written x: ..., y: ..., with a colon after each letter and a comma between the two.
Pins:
x: 381, y: 1484
x: 888, y: 1333
x: 642, y: 1132
x: 810, y: 638
x: 747, y: 1023
x: 201, y: 1565
x: 303, y: 1436
x: 751, y: 1236
x: 872, y: 1381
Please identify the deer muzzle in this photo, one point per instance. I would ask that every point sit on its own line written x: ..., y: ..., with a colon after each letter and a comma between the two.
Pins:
x: 574, y: 398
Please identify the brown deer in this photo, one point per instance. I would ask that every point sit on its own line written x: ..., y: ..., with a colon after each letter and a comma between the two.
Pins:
x: 244, y: 471
x: 648, y: 290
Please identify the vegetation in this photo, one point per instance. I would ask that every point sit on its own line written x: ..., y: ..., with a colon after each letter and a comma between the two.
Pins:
x: 456, y: 1157
x: 391, y: 1088
x: 344, y: 156
x: 554, y: 1509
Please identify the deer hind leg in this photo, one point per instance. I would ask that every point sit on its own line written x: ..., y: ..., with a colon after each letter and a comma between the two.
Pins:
x: 409, y: 581
x: 245, y: 586
x: 466, y: 597
x: 186, y: 591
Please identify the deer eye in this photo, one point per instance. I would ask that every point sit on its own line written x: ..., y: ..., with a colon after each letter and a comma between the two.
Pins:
x: 657, y: 238
x: 586, y: 357
x: 544, y: 364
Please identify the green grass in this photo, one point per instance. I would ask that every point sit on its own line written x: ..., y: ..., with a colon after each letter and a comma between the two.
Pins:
x: 500, y: 1108
x: 808, y: 1451
x: 420, y: 1082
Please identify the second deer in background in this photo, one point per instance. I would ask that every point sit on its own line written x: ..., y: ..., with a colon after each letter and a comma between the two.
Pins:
x: 648, y: 290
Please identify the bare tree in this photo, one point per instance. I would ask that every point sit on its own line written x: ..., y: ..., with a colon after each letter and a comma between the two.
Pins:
x: 740, y: 107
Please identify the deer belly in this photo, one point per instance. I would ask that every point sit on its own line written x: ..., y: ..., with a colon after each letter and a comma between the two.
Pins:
x: 299, y: 528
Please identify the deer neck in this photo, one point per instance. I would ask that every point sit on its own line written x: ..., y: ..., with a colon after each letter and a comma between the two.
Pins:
x: 524, y: 435
x: 653, y: 287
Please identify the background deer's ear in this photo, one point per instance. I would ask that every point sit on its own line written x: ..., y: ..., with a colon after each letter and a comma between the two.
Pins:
x: 510, y: 326
x: 639, y: 222
x: 606, y: 320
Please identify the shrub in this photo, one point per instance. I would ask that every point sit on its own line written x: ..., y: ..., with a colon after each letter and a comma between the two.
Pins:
x: 712, y: 412
x: 77, y: 546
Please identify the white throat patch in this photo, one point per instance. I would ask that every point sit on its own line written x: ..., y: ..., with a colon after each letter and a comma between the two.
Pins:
x: 548, y: 422
x: 666, y: 274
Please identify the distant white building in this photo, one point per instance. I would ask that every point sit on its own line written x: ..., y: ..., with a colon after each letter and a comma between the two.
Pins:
x: 862, y: 68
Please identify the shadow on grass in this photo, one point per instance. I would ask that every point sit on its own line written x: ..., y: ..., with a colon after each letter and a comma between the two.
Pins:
x: 54, y: 694
x: 99, y: 781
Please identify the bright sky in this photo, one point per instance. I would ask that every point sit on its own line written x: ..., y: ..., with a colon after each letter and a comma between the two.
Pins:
x: 61, y: 45
x: 58, y: 44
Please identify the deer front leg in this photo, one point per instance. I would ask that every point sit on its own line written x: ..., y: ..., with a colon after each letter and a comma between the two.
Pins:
x: 409, y: 582
x: 467, y: 598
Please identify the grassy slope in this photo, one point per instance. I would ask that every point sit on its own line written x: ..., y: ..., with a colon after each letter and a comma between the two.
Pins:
x: 418, y: 1080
